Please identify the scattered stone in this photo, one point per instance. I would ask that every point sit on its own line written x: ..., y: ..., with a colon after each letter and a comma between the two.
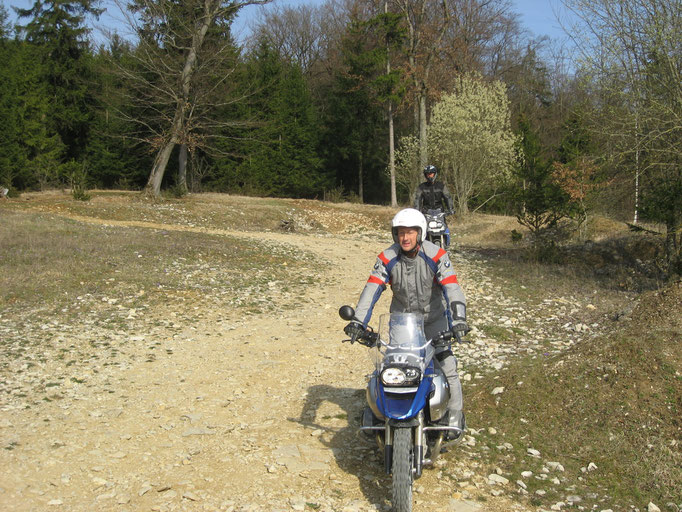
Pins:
x: 198, y: 432
x: 592, y: 467
x: 190, y: 496
x: 651, y: 507
x: 463, y: 506
x: 555, y: 466
x: 527, y: 474
x: 533, y: 452
x: 193, y: 418
x: 123, y: 499
x: 54, y: 503
x: 497, y: 479
x: 498, y: 390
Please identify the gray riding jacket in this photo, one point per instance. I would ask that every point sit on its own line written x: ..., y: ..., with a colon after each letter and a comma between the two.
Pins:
x: 424, y: 284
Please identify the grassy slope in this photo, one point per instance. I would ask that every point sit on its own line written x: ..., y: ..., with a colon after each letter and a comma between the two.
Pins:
x: 615, y: 402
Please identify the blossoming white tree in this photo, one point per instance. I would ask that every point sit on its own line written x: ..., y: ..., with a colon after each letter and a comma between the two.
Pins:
x: 470, y: 138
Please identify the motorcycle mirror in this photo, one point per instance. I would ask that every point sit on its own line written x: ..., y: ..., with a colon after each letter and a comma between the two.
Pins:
x: 347, y: 313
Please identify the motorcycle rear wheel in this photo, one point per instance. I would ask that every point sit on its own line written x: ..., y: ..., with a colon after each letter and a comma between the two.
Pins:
x: 403, y: 458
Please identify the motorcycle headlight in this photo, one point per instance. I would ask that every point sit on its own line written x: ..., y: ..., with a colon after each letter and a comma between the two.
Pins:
x: 394, y: 376
x: 433, y: 224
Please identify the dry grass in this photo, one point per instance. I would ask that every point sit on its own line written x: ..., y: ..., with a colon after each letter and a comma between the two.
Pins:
x: 74, y: 292
x: 49, y: 260
x: 216, y: 211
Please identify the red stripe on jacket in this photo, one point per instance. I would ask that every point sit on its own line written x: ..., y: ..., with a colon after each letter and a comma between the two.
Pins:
x: 450, y: 280
x: 383, y: 258
x: 376, y: 280
x: 439, y: 255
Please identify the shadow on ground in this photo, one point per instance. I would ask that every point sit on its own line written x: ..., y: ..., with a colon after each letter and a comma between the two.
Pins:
x: 355, y: 453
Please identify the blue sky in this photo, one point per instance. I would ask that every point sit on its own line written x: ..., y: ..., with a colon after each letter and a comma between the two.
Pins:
x: 538, y: 16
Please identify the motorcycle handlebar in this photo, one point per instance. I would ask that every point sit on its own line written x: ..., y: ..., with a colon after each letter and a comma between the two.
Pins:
x: 370, y: 338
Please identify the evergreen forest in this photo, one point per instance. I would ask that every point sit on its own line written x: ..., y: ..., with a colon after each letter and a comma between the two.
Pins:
x: 348, y: 100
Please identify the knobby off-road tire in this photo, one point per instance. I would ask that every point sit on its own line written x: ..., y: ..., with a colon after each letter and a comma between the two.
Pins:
x: 402, y: 470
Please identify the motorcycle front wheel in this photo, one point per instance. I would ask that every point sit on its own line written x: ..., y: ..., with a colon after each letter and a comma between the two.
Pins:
x: 403, y: 456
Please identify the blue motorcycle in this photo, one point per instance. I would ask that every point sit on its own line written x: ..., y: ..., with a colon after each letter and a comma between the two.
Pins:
x: 407, y: 397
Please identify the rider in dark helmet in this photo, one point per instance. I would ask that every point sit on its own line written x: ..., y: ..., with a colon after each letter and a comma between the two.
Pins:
x: 434, y: 195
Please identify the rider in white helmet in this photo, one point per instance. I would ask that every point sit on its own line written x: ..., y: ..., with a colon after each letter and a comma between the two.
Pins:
x: 423, y: 281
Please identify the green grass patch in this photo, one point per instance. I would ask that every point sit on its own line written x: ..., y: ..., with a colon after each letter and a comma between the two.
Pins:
x: 497, y: 332
x: 613, y: 401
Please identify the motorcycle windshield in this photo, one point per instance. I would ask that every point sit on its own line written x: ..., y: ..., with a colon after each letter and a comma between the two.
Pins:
x: 402, y: 342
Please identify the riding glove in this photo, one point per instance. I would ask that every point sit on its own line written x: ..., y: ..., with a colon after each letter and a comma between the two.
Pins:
x: 354, y: 330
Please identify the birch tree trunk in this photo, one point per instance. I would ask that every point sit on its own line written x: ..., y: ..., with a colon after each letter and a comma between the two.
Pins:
x: 391, y: 135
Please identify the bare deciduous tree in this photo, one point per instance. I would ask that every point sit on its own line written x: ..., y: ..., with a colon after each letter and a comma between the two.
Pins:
x: 179, y: 72
x: 427, y: 22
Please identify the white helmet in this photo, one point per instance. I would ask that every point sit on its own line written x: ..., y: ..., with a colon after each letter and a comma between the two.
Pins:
x: 409, y: 218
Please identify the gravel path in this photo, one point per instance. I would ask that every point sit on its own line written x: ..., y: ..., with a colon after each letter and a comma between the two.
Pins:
x: 246, y: 414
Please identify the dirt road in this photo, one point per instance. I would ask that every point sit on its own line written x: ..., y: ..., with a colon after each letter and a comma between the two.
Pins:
x: 250, y: 414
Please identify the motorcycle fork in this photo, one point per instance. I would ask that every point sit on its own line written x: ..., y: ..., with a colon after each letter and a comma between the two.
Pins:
x: 388, y: 448
x: 418, y: 447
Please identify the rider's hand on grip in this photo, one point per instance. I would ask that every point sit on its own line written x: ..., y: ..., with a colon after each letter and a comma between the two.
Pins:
x: 354, y: 330
x: 459, y: 329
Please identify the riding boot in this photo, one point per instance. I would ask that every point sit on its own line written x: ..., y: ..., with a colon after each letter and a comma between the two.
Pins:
x: 448, y: 363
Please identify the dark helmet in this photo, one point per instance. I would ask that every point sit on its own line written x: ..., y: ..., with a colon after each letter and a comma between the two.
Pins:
x: 430, y: 169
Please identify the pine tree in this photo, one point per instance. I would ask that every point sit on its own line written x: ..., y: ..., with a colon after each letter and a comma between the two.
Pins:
x: 284, y: 137
x: 56, y: 28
